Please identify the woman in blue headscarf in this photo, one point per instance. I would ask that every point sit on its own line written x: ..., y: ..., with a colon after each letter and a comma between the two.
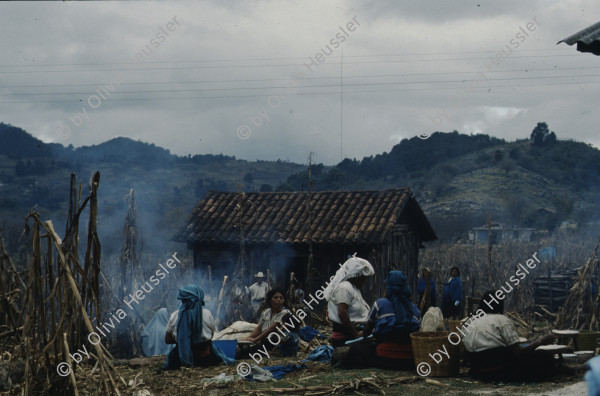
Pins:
x: 391, y: 320
x: 191, y: 328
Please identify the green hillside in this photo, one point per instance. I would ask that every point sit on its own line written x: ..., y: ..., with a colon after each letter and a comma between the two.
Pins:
x: 460, y: 180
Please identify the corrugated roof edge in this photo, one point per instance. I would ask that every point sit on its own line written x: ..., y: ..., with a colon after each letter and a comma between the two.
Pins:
x: 587, y: 35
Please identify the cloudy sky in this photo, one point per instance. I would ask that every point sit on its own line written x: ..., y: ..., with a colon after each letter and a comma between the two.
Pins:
x: 232, y: 77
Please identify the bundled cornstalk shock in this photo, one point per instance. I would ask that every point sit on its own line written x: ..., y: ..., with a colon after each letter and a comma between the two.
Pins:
x: 60, y: 297
x: 575, y: 312
x: 125, y: 341
x: 12, y: 289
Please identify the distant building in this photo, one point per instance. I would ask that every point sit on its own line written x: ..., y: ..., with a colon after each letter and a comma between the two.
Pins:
x: 500, y: 233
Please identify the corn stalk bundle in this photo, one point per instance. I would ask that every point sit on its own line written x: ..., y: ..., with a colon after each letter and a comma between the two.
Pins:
x: 57, y: 299
x: 581, y: 310
x: 125, y: 341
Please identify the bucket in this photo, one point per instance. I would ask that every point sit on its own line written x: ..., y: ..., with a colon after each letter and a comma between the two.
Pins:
x: 587, y: 340
x: 227, y: 346
x: 430, y: 342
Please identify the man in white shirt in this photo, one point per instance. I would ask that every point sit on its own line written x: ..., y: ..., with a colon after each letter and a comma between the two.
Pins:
x: 258, y: 292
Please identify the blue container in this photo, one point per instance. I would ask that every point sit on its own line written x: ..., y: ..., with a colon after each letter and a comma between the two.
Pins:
x: 227, y: 346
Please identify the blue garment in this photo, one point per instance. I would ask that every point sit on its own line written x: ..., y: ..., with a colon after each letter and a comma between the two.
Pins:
x: 422, y: 285
x: 592, y: 377
x: 153, y: 336
x: 386, y: 321
x: 307, y: 333
x: 319, y: 354
x: 280, y: 371
x: 452, y: 292
x: 189, y: 327
x: 289, y: 346
x: 398, y: 293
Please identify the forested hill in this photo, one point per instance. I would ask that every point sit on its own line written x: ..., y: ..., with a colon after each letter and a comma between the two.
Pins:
x: 416, y: 160
x: 459, y: 180
x: 463, y: 181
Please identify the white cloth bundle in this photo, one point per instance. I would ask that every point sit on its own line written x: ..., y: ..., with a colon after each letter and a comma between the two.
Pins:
x: 352, y: 268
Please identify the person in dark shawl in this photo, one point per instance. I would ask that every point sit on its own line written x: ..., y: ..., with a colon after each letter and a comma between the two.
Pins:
x: 191, y: 328
x: 426, y: 291
x: 453, y: 296
x: 391, y: 320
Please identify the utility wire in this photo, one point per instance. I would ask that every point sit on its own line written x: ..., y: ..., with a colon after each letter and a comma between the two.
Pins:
x: 469, y: 89
x: 471, y: 72
x: 300, y: 87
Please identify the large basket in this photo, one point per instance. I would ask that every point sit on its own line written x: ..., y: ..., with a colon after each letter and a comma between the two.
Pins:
x: 453, y: 325
x: 431, y: 342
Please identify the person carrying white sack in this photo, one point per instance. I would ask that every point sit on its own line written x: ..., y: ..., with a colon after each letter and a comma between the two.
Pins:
x: 345, y: 305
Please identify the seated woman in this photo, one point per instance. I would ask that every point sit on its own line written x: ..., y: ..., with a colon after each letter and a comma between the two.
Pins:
x: 345, y: 305
x: 277, y: 315
x: 191, y: 328
x: 493, y: 349
x: 393, y: 318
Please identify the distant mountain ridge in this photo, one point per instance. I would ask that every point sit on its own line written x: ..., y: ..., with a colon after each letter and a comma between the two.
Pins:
x: 460, y: 180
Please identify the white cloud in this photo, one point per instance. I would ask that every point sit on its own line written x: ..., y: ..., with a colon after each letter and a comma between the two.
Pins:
x: 405, y: 64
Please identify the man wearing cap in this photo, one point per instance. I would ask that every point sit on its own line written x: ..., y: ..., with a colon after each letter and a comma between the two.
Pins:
x: 258, y: 292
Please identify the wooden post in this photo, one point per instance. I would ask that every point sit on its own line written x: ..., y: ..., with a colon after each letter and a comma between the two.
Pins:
x: 210, y: 283
x: 550, y: 291
x: 221, y: 298
x: 291, y: 289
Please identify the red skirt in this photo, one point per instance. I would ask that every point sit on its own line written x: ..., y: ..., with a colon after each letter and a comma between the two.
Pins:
x: 395, y: 350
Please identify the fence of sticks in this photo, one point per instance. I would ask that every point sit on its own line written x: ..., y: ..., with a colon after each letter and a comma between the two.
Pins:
x: 48, y: 306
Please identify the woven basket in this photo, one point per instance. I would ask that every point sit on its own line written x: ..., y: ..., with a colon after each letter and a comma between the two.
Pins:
x: 453, y: 324
x: 430, y: 342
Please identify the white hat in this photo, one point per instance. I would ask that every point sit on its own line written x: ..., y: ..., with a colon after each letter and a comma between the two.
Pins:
x: 259, y: 275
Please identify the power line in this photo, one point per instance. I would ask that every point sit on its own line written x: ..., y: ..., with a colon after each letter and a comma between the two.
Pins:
x: 478, y: 89
x: 306, y: 78
x: 302, y: 87
x: 280, y: 58
x: 267, y: 65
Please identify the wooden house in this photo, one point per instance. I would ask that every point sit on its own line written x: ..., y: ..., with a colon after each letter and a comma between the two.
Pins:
x: 277, y: 231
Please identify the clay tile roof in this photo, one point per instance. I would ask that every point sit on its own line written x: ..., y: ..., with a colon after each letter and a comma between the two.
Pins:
x: 339, y: 217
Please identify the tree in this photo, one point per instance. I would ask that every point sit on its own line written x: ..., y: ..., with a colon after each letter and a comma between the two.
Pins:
x: 200, y: 189
x: 541, y: 135
x: 508, y: 165
x: 248, y: 178
x: 20, y: 168
x: 266, y: 188
x: 498, y: 155
x: 285, y: 187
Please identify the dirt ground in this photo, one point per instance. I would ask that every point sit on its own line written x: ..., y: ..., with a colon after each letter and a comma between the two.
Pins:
x: 316, y: 379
